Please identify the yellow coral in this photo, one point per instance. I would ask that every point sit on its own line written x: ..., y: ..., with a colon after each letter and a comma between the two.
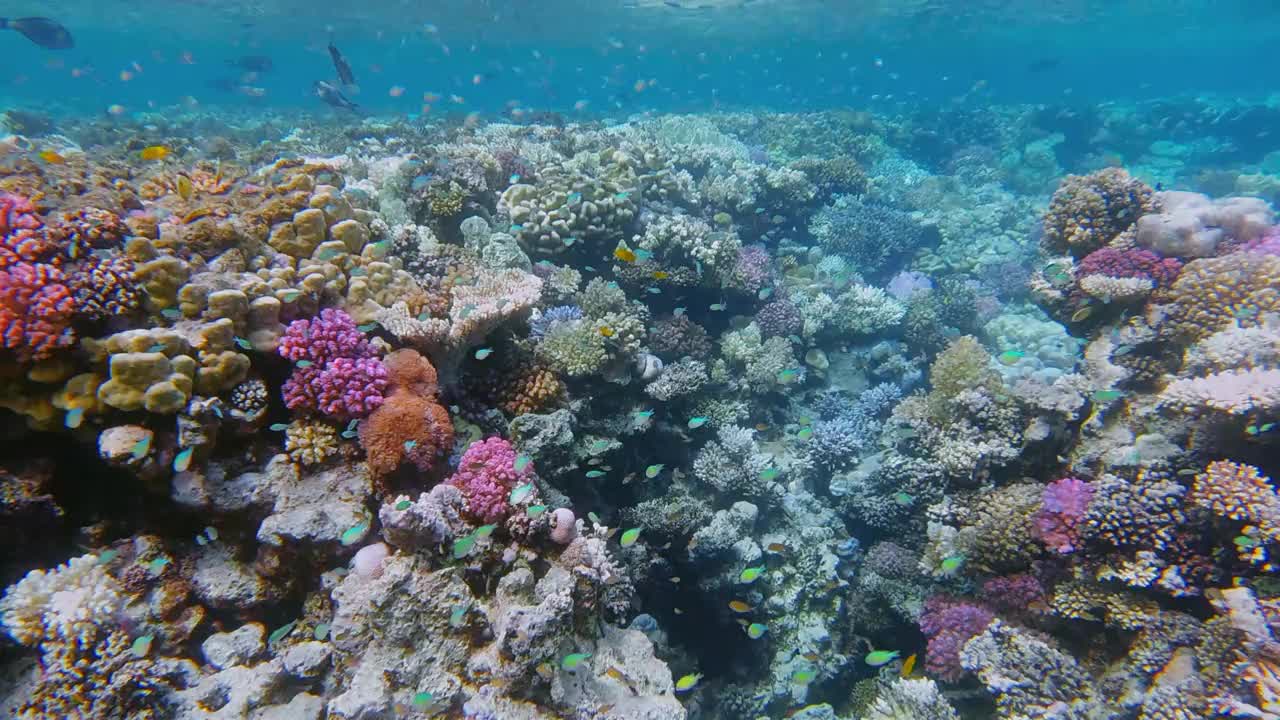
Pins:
x: 1239, y: 492
x: 309, y: 442
x: 1216, y: 293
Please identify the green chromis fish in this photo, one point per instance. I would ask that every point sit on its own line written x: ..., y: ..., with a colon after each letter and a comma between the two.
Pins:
x: 805, y: 434
x: 697, y: 422
x: 630, y: 536
x: 182, y: 460
x: 483, y: 353
x: 354, y: 533
x: 593, y: 474
x: 653, y: 471
x: 573, y: 661
x: 520, y: 493
x: 1011, y: 357
x: 462, y: 547
x: 522, y: 462
x: 755, y: 631
x: 876, y: 658
x: 75, y: 416
x: 769, y: 474
x: 751, y: 574
x: 951, y: 564
x: 688, y: 682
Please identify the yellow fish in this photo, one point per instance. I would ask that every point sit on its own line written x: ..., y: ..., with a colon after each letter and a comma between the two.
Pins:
x: 624, y: 255
x: 607, y: 331
x: 661, y: 274
x: 739, y: 606
x: 908, y: 666
x: 52, y: 157
x: 154, y: 152
x: 184, y: 187
x: 1082, y: 314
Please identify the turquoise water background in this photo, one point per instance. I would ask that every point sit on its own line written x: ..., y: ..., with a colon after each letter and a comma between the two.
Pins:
x: 702, y: 54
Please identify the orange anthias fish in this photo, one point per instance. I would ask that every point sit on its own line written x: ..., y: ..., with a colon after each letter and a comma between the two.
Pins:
x: 908, y: 666
x: 52, y: 157
x: 739, y: 606
x: 624, y: 255
x: 155, y: 152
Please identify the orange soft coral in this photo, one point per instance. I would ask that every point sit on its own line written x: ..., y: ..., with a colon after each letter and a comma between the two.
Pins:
x: 409, y: 425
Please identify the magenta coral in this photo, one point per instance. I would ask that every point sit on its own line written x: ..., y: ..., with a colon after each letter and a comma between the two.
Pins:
x: 1061, y: 516
x: 338, y: 373
x: 35, y: 310
x: 22, y: 232
x: 753, y: 270
x: 486, y: 475
x: 1137, y: 263
x: 949, y: 623
x: 1013, y: 593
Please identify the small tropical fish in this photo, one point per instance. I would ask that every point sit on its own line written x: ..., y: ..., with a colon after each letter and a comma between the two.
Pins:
x: 1082, y: 314
x: 876, y: 658
x: 679, y: 311
x: 697, y: 422
x: 201, y: 540
x: 422, y: 699
x: 751, y: 574
x: 291, y: 296
x: 653, y: 290
x: 462, y: 547
x: 141, y: 448
x: 739, y: 606
x: 484, y: 531
x: 279, y: 633
x: 1245, y: 312
x: 483, y: 353
x: 74, y: 417
x: 1246, y: 542
x: 805, y: 434
x: 951, y: 564
x: 534, y: 511
x: 803, y: 677
x: 776, y: 547
x: 643, y: 414
x: 717, y: 307
x: 769, y: 474
x: 52, y: 157
x: 182, y: 460
x: 755, y: 631
x: 171, y: 313
x: 661, y: 274
x: 786, y: 376
x: 624, y: 255
x: 607, y: 331
x: 568, y: 242
x: 629, y: 537
x: 908, y: 666
x: 184, y: 187
x: 622, y: 195
x: 1103, y: 396
x: 154, y: 152
x: 762, y: 427
x: 157, y: 566
x: 211, y: 533
x: 409, y: 445
x: 243, y: 344
x: 321, y: 632
x: 1011, y: 357
x: 688, y: 682
x: 142, y: 646
x: 903, y: 498
x: 764, y: 293
x: 354, y: 533
x: 515, y: 178
x: 1259, y: 429
x: 520, y: 493
x: 304, y: 363
x: 589, y: 268
x: 574, y: 196
x: 593, y: 474
x: 367, y: 327
x: 278, y: 427
x: 403, y: 505
x: 653, y: 471
x: 572, y: 661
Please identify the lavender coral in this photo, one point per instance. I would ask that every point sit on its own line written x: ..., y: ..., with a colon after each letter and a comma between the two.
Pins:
x: 1062, y: 511
x: 336, y: 371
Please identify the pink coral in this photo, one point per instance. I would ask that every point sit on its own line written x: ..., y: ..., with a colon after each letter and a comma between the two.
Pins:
x: 338, y: 373
x: 1136, y: 263
x: 486, y: 475
x: 949, y: 623
x: 35, y: 310
x: 1061, y: 517
x: 753, y: 270
x: 1013, y: 593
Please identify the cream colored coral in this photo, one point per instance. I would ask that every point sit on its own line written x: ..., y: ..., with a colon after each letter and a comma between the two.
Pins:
x: 1237, y: 392
x: 310, y: 442
x: 1112, y: 289
x: 67, y: 604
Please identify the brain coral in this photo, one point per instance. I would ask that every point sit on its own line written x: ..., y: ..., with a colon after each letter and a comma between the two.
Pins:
x: 1089, y: 211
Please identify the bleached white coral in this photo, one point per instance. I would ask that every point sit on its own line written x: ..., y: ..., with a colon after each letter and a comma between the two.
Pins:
x: 1112, y: 289
x: 1234, y: 348
x: 1238, y: 392
x: 762, y: 361
x: 906, y: 699
x: 65, y: 604
x: 867, y: 309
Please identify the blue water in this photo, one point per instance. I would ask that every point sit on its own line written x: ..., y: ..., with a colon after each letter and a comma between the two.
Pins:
x: 553, y: 55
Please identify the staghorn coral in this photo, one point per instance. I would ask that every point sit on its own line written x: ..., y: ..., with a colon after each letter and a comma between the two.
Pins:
x: 732, y: 464
x: 1087, y: 212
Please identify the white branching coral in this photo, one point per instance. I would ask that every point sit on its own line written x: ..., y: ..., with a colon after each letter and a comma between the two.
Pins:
x: 66, y: 604
x: 1238, y: 392
x: 867, y: 309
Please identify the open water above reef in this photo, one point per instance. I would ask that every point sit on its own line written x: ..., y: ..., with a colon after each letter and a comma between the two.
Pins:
x: 652, y: 359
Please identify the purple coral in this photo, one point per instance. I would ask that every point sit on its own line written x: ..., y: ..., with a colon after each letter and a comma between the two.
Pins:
x: 907, y: 284
x: 753, y: 270
x: 486, y: 475
x: 949, y: 623
x: 338, y: 373
x: 1135, y: 263
x: 1062, y: 510
x: 1013, y: 593
x: 779, y: 318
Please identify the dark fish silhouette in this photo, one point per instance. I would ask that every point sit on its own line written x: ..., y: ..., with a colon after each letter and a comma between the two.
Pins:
x: 1044, y: 64
x: 332, y: 95
x: 253, y: 63
x: 42, y: 31
x: 340, y: 64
